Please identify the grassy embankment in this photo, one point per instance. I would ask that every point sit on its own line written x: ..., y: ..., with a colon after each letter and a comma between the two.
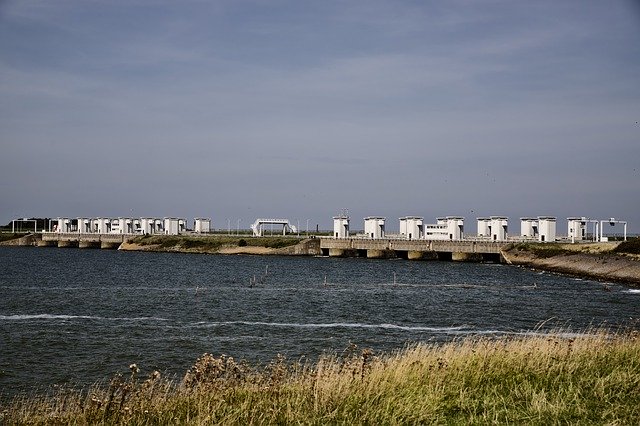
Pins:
x: 608, y: 261
x: 547, y: 250
x: 589, y: 379
x: 8, y: 236
x: 211, y: 243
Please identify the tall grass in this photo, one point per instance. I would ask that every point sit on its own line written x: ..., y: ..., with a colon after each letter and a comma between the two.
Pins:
x: 543, y: 379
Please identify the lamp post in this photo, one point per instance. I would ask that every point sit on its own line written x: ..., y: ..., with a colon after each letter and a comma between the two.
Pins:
x: 308, y: 227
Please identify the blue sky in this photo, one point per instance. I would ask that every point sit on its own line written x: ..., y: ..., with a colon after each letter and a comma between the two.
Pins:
x: 243, y: 109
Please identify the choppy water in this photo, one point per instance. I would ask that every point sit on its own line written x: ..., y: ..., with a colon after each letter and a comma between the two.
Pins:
x: 78, y: 316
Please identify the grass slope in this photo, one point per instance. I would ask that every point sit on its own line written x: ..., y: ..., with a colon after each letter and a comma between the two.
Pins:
x: 213, y: 243
x: 587, y: 379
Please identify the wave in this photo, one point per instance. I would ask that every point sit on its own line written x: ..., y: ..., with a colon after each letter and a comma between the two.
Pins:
x: 634, y: 291
x: 383, y: 326
x: 73, y: 317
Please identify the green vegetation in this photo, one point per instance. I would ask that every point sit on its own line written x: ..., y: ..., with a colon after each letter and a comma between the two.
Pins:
x: 631, y: 246
x: 213, y: 242
x: 543, y: 379
x: 10, y: 236
x: 543, y: 250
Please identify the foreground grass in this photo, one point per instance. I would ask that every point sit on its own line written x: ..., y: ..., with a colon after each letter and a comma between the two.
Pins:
x: 590, y: 379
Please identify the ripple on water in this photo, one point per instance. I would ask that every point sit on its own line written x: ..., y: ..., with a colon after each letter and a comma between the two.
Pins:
x: 91, y: 313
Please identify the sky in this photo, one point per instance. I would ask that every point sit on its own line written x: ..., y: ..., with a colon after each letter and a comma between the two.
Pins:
x: 239, y: 109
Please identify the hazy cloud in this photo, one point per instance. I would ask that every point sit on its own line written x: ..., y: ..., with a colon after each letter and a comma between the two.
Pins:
x: 239, y: 109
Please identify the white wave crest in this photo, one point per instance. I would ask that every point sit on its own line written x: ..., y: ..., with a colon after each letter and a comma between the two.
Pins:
x: 331, y: 325
x: 73, y: 317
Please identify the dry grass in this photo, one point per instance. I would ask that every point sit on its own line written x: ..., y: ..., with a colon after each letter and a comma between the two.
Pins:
x: 587, y: 379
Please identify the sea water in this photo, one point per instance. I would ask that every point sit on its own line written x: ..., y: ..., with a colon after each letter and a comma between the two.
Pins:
x: 77, y: 316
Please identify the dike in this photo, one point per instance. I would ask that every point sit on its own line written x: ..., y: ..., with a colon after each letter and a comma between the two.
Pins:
x: 306, y: 247
x: 596, y: 261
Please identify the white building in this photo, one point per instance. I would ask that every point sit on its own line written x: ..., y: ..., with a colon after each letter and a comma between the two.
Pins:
x: 445, y: 228
x: 484, y: 224
x: 577, y: 228
x: 498, y: 228
x: 114, y: 227
x: 174, y: 225
x: 122, y: 225
x: 411, y: 227
x: 374, y: 226
x: 147, y: 226
x: 201, y: 225
x: 547, y: 228
x: 64, y: 225
x: 101, y: 225
x: 341, y: 226
x: 84, y: 225
x: 529, y: 227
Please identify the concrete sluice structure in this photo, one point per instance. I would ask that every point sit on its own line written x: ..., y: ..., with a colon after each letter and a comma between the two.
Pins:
x: 466, y: 251
x: 86, y: 240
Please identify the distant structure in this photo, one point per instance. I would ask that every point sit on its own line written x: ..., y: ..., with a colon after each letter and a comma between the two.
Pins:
x: 529, y: 227
x: 150, y: 225
x: 373, y: 226
x: 541, y: 228
x: 613, y: 222
x: 174, y: 225
x: 258, y: 226
x: 484, y: 227
x: 498, y: 228
x: 120, y: 225
x: 547, y: 228
x: 577, y: 228
x: 411, y: 227
x: 201, y: 225
x: 445, y: 228
x: 341, y: 226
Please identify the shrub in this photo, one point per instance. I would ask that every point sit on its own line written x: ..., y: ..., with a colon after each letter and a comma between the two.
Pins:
x: 631, y: 246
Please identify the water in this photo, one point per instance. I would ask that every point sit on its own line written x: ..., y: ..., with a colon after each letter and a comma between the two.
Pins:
x: 71, y: 316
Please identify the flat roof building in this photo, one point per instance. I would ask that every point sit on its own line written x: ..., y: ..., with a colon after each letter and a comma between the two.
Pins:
x: 201, y: 225
x: 374, y: 227
x: 498, y: 228
x: 445, y: 228
x: 484, y: 227
x: 547, y: 228
x: 411, y: 227
x: 341, y: 226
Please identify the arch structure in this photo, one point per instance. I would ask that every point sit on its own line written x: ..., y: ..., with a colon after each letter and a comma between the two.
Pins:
x: 258, y: 226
